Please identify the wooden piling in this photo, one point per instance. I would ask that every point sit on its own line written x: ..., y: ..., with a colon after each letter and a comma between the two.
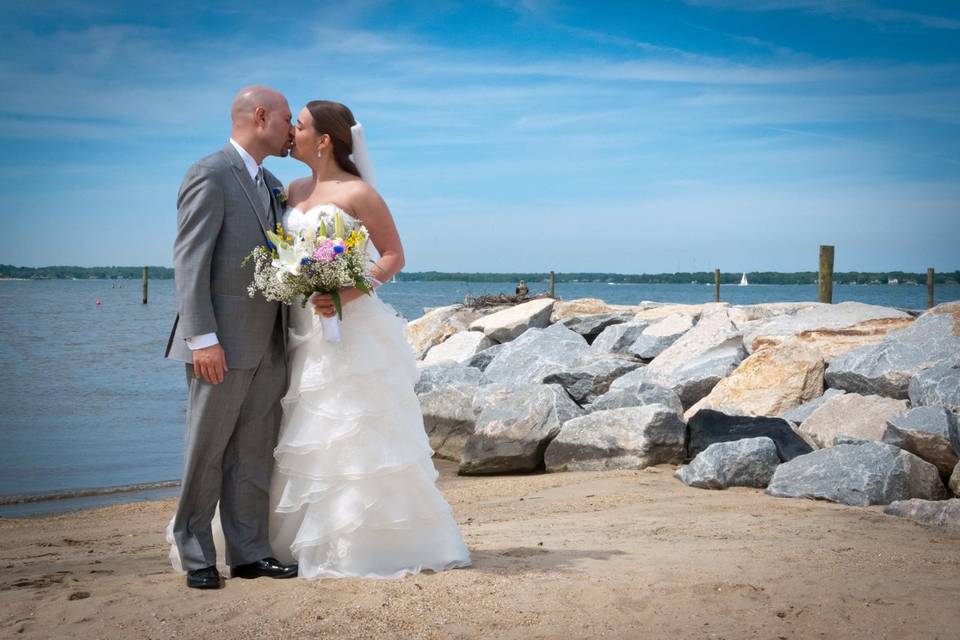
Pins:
x: 551, y: 285
x: 826, y: 273
x: 716, y: 285
x: 929, y: 287
x: 146, y: 275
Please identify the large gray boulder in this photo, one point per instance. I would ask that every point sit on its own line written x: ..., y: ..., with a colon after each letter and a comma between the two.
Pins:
x: 485, y: 357
x: 703, y: 356
x: 937, y: 386
x: 460, y: 347
x: 931, y: 433
x: 535, y: 355
x: 514, y: 425
x: 657, y: 337
x: 631, y: 390
x: 743, y: 463
x: 801, y: 413
x: 851, y: 414
x: 592, y: 376
x: 858, y: 475
x: 508, y: 324
x: 591, y: 325
x: 954, y: 483
x: 630, y: 438
x: 446, y: 395
x: 886, y: 368
x: 932, y: 513
x: 617, y: 338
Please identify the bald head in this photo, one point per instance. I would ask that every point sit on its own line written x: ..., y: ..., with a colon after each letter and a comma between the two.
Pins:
x: 261, y: 122
x: 244, y: 109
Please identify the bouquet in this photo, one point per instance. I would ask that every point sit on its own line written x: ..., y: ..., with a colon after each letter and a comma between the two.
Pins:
x: 295, y: 266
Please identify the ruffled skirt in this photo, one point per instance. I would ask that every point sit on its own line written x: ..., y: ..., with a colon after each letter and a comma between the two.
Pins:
x: 354, y: 487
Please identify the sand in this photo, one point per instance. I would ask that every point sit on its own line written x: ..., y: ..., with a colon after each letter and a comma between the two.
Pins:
x: 619, y: 554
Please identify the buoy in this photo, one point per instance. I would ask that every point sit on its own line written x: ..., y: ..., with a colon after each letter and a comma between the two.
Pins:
x: 98, y: 301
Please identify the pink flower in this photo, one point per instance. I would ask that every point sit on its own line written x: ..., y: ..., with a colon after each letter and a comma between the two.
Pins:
x: 325, y: 252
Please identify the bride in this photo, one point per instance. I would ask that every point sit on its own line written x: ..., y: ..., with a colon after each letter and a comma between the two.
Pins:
x: 353, y: 491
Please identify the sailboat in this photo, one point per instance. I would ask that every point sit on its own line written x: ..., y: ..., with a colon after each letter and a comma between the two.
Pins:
x: 743, y: 280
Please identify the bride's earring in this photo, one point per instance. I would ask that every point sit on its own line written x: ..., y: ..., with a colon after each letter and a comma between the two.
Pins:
x: 320, y: 153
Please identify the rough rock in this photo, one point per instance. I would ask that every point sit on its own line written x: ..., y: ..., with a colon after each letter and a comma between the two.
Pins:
x: 930, y: 433
x: 535, y: 355
x: 858, y: 475
x: 485, y: 357
x: 931, y: 513
x: 460, y: 347
x: 446, y: 399
x: 886, y: 368
x: 831, y: 329
x: 955, y: 481
x: 590, y: 326
x: 937, y: 386
x: 431, y: 328
x: 697, y: 361
x: 587, y: 306
x: 629, y: 438
x: 769, y: 382
x: 506, y: 325
x: 851, y: 414
x: 630, y: 390
x: 617, y: 338
x: 652, y: 311
x: 708, y: 427
x: 801, y: 413
x: 742, y: 463
x: 592, y: 376
x: 657, y: 337
x: 514, y: 425
x: 743, y: 315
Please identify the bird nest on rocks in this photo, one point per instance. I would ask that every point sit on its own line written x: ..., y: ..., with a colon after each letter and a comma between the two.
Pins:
x: 498, y: 300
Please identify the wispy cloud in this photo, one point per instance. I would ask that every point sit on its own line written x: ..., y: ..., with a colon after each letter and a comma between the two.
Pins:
x: 861, y: 10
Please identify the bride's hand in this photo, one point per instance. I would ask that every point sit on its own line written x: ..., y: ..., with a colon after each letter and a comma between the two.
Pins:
x: 323, y: 302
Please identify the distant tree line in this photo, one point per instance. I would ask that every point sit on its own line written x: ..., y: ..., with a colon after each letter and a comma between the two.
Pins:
x: 684, y: 277
x: 83, y: 273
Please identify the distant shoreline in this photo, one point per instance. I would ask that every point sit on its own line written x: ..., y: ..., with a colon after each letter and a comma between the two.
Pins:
x: 9, y: 272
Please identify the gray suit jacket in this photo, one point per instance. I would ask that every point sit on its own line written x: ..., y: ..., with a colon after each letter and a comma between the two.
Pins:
x: 220, y: 219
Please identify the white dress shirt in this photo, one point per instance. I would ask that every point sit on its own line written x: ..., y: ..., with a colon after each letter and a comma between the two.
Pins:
x: 209, y: 339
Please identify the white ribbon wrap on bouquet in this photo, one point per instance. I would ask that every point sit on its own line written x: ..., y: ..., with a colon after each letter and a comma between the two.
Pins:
x: 331, y: 328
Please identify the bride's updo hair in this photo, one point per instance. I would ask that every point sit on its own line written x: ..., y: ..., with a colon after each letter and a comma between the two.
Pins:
x: 335, y: 120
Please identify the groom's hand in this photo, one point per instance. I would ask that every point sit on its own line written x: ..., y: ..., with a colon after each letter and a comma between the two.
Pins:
x: 210, y: 364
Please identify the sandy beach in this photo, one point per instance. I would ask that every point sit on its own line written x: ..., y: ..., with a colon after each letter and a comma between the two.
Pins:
x: 619, y: 554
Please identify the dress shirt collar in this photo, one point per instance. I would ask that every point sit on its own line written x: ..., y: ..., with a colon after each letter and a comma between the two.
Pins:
x: 252, y: 167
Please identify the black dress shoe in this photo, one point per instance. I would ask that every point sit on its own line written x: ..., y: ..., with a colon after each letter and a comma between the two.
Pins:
x: 268, y: 567
x: 206, y: 578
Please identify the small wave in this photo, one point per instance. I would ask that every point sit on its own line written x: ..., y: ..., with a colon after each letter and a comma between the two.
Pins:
x: 68, y: 494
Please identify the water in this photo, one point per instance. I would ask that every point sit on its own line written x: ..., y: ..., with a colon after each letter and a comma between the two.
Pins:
x: 89, y: 401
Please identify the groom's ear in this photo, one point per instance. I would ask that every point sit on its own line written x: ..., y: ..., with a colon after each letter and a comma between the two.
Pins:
x: 260, y: 115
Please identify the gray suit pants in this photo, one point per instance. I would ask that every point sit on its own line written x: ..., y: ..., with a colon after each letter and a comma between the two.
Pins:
x: 232, y: 428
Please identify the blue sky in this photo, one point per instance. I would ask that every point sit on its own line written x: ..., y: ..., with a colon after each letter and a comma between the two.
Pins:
x: 509, y: 136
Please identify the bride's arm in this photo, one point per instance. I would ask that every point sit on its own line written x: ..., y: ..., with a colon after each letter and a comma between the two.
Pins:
x: 373, y: 212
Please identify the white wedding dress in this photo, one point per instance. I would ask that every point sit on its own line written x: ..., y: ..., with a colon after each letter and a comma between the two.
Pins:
x: 354, y: 487
x: 353, y: 492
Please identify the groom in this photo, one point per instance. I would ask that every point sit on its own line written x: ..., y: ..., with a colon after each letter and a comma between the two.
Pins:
x: 233, y: 346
